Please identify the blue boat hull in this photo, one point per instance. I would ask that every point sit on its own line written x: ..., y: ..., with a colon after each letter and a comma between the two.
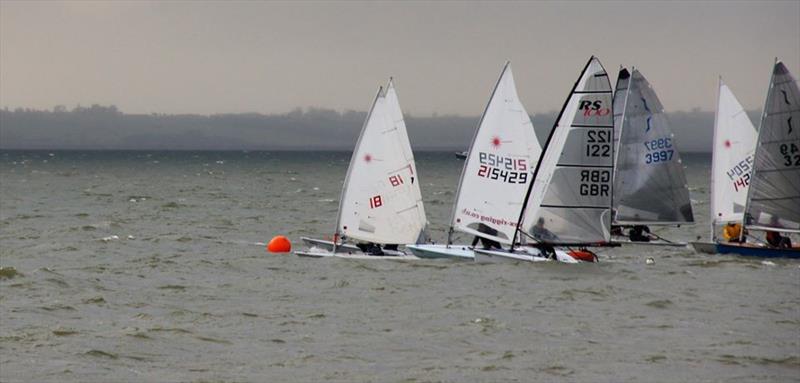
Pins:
x: 765, y: 252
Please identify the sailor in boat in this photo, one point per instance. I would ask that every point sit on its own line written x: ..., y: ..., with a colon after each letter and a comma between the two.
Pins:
x: 486, y: 242
x: 775, y: 239
x: 539, y: 232
x: 542, y: 234
x: 375, y: 249
x: 732, y: 232
x: 637, y: 234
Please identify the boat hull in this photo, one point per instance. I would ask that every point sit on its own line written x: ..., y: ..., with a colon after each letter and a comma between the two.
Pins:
x: 505, y: 256
x: 705, y: 247
x: 746, y: 249
x: 322, y: 253
x: 757, y: 251
x: 627, y: 242
x: 442, y: 251
x: 525, y: 254
x: 328, y: 245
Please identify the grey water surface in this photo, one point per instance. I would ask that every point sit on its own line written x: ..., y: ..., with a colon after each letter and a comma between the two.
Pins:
x: 150, y: 266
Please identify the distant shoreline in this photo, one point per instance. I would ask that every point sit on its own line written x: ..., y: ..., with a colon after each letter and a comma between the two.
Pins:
x: 106, y: 128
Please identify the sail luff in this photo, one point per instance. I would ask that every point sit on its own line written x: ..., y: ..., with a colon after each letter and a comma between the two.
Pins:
x: 618, y: 130
x: 342, y: 195
x: 398, y: 122
x: 496, y: 172
x: 761, y: 128
x: 734, y: 143
x: 570, y: 200
x: 544, y: 151
x: 714, y: 160
x: 467, y: 160
x: 649, y: 183
x: 773, y: 199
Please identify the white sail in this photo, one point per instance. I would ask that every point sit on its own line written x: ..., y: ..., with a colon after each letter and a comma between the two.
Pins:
x: 498, y: 170
x: 649, y: 181
x: 570, y: 198
x: 734, y: 144
x: 381, y: 200
x: 396, y: 119
x: 773, y: 201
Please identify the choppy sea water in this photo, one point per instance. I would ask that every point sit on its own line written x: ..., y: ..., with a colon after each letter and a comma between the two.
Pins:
x: 150, y: 266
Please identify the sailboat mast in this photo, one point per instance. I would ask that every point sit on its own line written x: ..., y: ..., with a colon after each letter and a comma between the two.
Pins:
x: 618, y: 132
x: 544, y: 152
x: 713, y: 161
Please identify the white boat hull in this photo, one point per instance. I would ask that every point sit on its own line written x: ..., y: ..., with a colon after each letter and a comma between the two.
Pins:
x: 430, y: 251
x: 316, y: 252
x: 525, y: 254
x: 504, y: 256
x: 328, y: 245
x: 705, y: 247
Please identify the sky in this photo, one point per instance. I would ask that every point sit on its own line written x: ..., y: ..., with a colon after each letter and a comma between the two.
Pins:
x: 271, y: 57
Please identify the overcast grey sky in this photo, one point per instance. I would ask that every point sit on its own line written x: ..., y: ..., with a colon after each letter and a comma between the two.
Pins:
x: 214, y: 57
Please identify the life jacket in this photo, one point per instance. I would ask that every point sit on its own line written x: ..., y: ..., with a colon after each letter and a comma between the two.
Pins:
x: 732, y: 232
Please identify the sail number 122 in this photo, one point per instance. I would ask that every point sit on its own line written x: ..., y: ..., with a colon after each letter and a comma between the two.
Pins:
x: 598, y: 143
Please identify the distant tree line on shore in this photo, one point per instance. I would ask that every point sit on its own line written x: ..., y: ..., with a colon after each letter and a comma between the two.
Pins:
x: 106, y: 127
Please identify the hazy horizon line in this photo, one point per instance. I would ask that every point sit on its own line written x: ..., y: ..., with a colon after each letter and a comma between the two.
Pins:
x: 7, y: 108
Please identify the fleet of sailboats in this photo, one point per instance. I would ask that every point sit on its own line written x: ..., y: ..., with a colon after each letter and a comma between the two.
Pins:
x: 610, y: 163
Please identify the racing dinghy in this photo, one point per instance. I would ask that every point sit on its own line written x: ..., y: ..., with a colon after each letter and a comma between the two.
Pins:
x: 568, y: 204
x: 495, y: 175
x: 731, y: 163
x: 380, y: 206
x: 773, y: 198
x: 649, y: 182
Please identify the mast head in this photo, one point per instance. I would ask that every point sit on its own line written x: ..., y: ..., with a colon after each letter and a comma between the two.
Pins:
x: 780, y: 69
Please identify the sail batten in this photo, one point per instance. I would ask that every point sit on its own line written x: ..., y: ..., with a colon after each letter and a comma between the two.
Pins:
x: 497, y: 170
x: 649, y: 180
x: 570, y: 198
x: 773, y: 200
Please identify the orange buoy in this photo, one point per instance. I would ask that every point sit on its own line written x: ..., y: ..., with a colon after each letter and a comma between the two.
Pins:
x: 583, y: 255
x: 279, y: 244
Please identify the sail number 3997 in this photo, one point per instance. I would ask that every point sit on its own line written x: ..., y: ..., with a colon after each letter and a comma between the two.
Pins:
x: 659, y: 150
